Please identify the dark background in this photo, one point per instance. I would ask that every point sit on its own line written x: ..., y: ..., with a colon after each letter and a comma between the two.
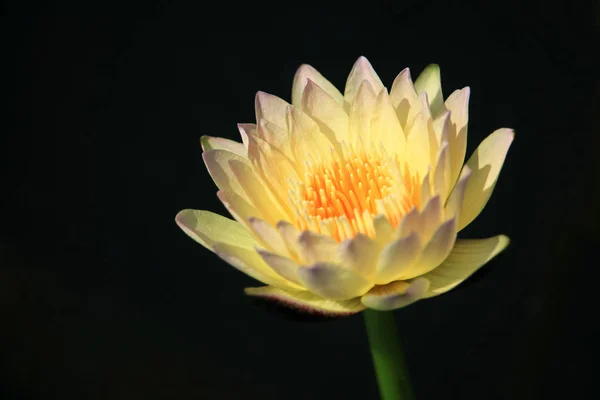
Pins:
x: 103, y: 297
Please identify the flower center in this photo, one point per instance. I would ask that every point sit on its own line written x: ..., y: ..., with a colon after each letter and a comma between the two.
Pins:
x: 342, y: 196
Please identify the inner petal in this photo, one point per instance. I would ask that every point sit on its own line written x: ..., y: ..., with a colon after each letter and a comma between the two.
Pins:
x: 342, y: 195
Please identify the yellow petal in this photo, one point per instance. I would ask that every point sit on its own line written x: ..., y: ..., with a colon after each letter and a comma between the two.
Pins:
x: 430, y: 82
x: 268, y: 235
x: 308, y: 302
x: 485, y: 164
x: 386, y: 128
x: 239, y: 208
x: 306, y: 73
x: 257, y: 193
x: 420, y: 144
x: 361, y: 112
x: 361, y: 71
x: 383, y: 229
x: 430, y: 218
x: 458, y: 105
x: 250, y: 263
x: 327, y: 113
x: 359, y: 254
x: 290, y: 234
x: 395, y: 295
x: 208, y: 228
x: 211, y: 143
x: 246, y: 130
x: 435, y: 251
x: 333, y: 282
x: 306, y: 138
x: 466, y: 257
x: 397, y: 257
x: 403, y: 95
x: 270, y: 108
x: 282, y: 265
x: 411, y: 222
x: 456, y: 198
x: 218, y: 162
x: 441, y: 175
x: 316, y: 248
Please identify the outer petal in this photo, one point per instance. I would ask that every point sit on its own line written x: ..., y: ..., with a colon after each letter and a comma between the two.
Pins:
x: 268, y: 235
x: 270, y: 108
x: 466, y: 258
x: 485, y: 164
x: 361, y: 71
x: 430, y: 82
x: 398, y: 257
x: 218, y: 162
x: 307, y: 301
x: 333, y: 282
x: 386, y: 128
x: 208, y: 229
x: 285, y: 267
x: 360, y: 254
x: 361, y: 112
x: 458, y: 105
x: 395, y: 295
x: 327, y: 113
x: 403, y: 95
x: 317, y: 248
x: 211, y: 143
x: 306, y: 73
x: 239, y: 208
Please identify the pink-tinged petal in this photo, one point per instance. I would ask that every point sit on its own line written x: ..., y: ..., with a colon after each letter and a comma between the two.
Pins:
x: 395, y: 294
x: 208, y: 229
x: 435, y: 251
x: 398, y: 257
x: 403, y: 95
x: 361, y: 112
x: 246, y: 130
x: 249, y: 262
x: 278, y: 138
x: 218, y: 162
x: 458, y: 105
x: 213, y: 143
x: 441, y: 176
x: 333, y: 282
x: 281, y: 265
x: 386, y: 128
x: 485, y: 164
x: 411, y: 222
x: 315, y: 248
x: 430, y: 218
x: 327, y: 113
x: 466, y: 257
x: 430, y: 82
x: 308, y: 302
x: 361, y: 71
x: 239, y: 208
x: 270, y: 108
x: 306, y: 73
x: 360, y: 254
x: 257, y: 193
x: 455, y: 201
x: 306, y: 137
x: 290, y: 234
x: 419, y: 106
x: 268, y: 235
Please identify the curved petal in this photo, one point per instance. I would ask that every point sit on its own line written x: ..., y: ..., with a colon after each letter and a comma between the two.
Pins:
x: 430, y: 82
x: 306, y: 137
x: 333, y: 282
x: 467, y: 256
x: 282, y: 265
x: 208, y: 229
x: 485, y: 164
x: 245, y: 131
x: 308, y: 302
x: 395, y: 295
x: 386, y: 128
x: 249, y: 262
x: 306, y: 73
x: 361, y: 112
x: 403, y: 95
x: 362, y: 70
x: 290, y: 234
x: 212, y: 143
x: 239, y: 208
x: 398, y: 257
x: 316, y: 248
x: 270, y: 108
x: 327, y: 113
x: 268, y: 235
x: 218, y: 163
x: 359, y: 254
x: 458, y: 105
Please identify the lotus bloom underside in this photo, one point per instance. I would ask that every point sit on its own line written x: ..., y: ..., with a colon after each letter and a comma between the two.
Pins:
x: 354, y: 200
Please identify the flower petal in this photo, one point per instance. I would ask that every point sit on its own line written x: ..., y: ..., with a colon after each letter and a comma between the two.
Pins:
x: 395, y: 295
x: 327, y: 113
x: 435, y: 251
x: 211, y: 143
x: 306, y: 73
x: 441, y: 175
x: 485, y: 164
x: 456, y: 198
x: 246, y: 130
x: 403, y: 95
x: 467, y: 256
x: 430, y: 82
x: 218, y: 163
x: 282, y: 265
x: 307, y: 301
x: 250, y: 263
x: 268, y: 235
x: 333, y: 282
x: 361, y: 112
x: 362, y: 70
x: 290, y: 234
x: 306, y: 137
x: 458, y: 105
x: 208, y: 228
x: 270, y: 108
x: 397, y: 257
x: 359, y: 254
x: 386, y: 128
x: 315, y: 248
x: 239, y: 208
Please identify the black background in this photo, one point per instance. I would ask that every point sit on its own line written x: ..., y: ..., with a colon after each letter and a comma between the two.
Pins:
x: 103, y: 297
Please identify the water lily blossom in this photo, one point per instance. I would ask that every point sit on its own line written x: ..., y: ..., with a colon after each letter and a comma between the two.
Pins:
x: 349, y: 201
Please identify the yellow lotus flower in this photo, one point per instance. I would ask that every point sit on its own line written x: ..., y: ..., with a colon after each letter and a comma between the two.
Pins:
x: 343, y: 202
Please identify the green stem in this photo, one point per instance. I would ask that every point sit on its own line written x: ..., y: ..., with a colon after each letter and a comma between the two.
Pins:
x: 388, y: 359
